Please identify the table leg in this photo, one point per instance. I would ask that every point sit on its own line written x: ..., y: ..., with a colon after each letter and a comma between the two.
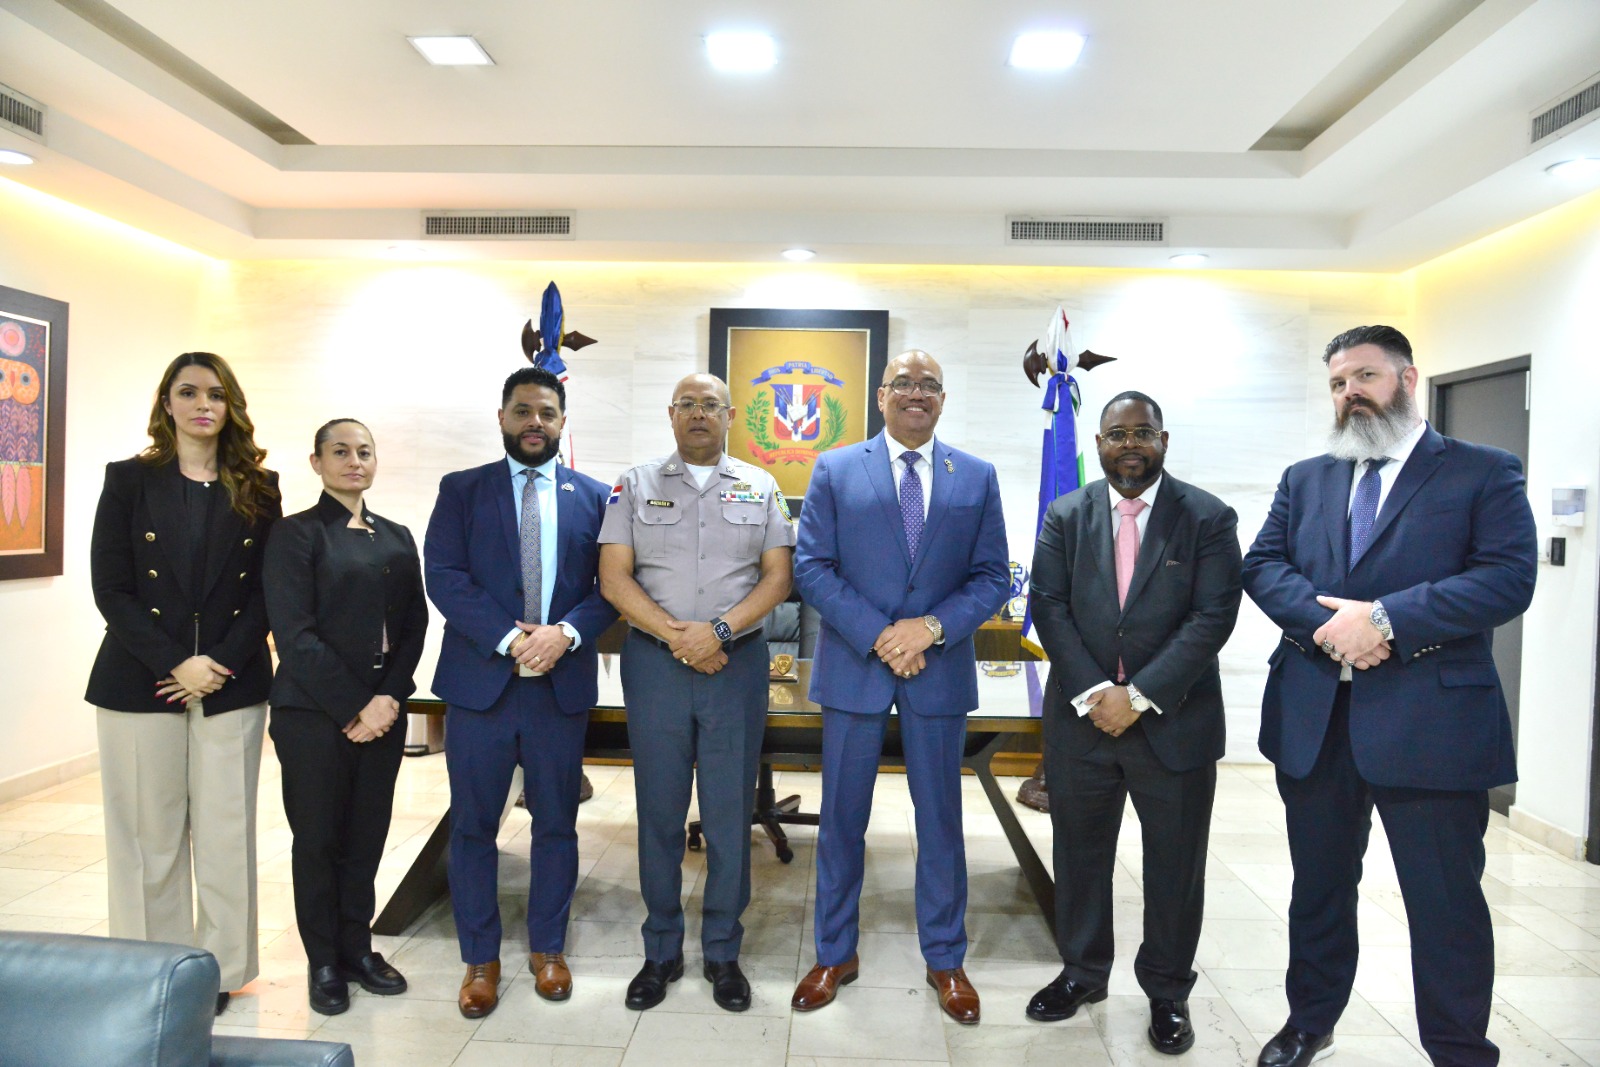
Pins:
x: 1033, y: 869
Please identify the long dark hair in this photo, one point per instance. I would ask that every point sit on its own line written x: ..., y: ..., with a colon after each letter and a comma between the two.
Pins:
x: 239, y: 458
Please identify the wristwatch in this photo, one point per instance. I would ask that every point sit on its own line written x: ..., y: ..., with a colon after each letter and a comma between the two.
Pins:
x: 935, y: 627
x: 723, y: 631
x: 1380, y: 619
x: 1138, y: 700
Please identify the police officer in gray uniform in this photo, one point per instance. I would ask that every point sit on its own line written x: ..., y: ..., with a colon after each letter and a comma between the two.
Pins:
x: 695, y: 550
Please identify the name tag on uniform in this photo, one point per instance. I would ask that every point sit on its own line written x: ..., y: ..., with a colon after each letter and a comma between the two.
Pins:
x: 660, y: 503
x: 741, y: 487
x: 742, y: 496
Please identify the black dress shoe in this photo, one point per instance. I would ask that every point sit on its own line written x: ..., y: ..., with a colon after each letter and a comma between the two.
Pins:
x: 329, y: 994
x: 1170, y: 1031
x: 375, y: 974
x: 222, y: 1002
x: 1060, y: 999
x: 649, y: 986
x: 1295, y: 1048
x: 729, y: 987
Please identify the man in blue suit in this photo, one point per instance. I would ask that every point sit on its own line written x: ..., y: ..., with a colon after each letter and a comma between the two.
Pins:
x: 1388, y: 563
x: 902, y: 551
x: 511, y: 562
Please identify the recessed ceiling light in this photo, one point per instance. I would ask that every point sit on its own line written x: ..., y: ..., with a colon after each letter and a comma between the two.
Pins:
x: 1188, y: 259
x: 15, y: 158
x: 798, y: 255
x: 452, y: 51
x: 741, y: 53
x: 1046, y: 50
x: 1575, y: 169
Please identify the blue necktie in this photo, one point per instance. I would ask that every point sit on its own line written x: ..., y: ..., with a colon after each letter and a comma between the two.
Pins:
x: 911, y: 502
x: 1364, y: 509
x: 532, y: 552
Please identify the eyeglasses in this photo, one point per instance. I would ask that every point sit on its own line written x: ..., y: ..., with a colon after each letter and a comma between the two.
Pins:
x: 907, y: 387
x: 1142, y: 436
x: 709, y: 408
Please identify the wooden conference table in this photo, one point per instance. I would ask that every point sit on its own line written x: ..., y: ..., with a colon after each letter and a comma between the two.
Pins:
x: 1008, y: 704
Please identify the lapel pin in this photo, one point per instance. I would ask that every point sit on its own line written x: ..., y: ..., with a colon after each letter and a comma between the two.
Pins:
x: 671, y: 467
x: 566, y: 487
x: 948, y: 466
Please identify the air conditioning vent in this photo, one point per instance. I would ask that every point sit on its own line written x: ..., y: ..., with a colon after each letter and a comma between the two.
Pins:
x: 21, y: 114
x: 1563, y: 116
x: 1085, y: 230
x: 499, y: 225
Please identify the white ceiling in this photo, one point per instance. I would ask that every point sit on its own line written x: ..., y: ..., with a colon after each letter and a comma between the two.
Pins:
x: 1362, y: 135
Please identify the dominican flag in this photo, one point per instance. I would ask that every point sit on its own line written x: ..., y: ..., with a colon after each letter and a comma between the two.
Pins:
x: 1061, y: 463
x: 616, y: 495
x: 794, y: 412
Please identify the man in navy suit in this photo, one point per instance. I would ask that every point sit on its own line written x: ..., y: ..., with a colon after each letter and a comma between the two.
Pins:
x: 511, y: 562
x: 1388, y: 562
x: 1135, y: 591
x: 902, y: 551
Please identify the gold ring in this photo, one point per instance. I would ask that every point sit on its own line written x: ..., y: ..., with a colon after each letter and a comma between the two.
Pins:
x: 536, y: 659
x: 685, y: 661
x: 897, y: 650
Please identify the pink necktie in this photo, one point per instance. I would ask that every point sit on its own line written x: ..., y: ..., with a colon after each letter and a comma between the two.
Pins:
x: 1127, y: 555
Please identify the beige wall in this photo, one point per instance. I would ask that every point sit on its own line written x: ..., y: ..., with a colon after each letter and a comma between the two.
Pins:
x: 1534, y: 289
x: 135, y: 303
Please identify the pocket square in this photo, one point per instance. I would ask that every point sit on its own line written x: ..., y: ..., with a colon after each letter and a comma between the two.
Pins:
x: 1174, y: 562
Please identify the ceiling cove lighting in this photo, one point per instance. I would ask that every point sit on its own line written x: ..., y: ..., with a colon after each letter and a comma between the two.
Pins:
x: 798, y: 255
x: 452, y: 51
x: 1575, y: 169
x: 1188, y: 259
x: 15, y: 158
x: 1046, y: 50
x: 741, y: 53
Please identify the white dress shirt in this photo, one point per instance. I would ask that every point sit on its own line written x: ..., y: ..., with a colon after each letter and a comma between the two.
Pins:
x: 1388, y: 474
x: 1142, y: 523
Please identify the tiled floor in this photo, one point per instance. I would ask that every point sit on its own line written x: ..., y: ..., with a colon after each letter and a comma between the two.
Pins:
x: 1546, y: 910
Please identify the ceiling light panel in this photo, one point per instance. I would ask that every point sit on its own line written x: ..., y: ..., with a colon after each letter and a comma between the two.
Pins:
x: 741, y: 53
x: 452, y: 51
x: 1046, y: 50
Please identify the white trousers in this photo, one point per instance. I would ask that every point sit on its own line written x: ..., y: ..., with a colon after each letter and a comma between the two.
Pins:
x: 180, y: 807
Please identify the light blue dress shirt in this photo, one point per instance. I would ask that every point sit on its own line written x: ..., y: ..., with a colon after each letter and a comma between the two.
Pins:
x: 545, y: 484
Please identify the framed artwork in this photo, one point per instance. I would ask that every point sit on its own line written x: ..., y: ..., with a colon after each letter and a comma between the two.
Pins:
x: 33, y: 431
x: 804, y: 382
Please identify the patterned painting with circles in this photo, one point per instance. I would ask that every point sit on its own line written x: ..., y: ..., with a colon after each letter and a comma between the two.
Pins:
x: 32, y: 407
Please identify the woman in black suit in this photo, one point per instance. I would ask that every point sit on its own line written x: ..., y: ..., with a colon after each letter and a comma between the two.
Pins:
x: 181, y: 678
x: 344, y: 593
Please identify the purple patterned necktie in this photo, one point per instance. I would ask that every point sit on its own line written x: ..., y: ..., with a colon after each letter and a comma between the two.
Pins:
x: 1364, y: 509
x: 911, y: 502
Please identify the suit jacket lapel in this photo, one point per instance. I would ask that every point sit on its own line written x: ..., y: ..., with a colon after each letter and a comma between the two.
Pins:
x: 1334, y: 493
x: 1157, y: 532
x: 876, y: 459
x: 499, y: 478
x: 164, y: 498
x: 1424, y: 460
x: 566, y: 522
x: 1102, y: 536
x: 944, y: 476
x: 222, y: 527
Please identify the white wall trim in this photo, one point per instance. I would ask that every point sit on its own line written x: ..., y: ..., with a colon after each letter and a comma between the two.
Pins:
x: 48, y: 777
x: 1553, y: 837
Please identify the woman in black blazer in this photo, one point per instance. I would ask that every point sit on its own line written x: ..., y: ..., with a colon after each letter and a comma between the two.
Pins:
x: 344, y: 594
x: 181, y: 678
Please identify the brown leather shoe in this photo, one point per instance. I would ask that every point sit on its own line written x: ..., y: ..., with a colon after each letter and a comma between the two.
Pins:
x: 480, y: 989
x: 956, y: 995
x: 551, y: 979
x: 821, y: 984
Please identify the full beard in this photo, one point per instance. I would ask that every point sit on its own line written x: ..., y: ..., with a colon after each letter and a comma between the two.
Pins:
x: 532, y: 457
x: 1363, y: 437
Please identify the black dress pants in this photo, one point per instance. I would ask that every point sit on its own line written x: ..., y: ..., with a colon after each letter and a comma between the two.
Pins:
x: 338, y: 796
x: 1087, y: 796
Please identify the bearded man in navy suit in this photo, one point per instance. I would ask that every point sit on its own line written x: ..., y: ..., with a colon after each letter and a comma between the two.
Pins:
x: 1388, y: 562
x: 512, y: 559
x: 902, y: 551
